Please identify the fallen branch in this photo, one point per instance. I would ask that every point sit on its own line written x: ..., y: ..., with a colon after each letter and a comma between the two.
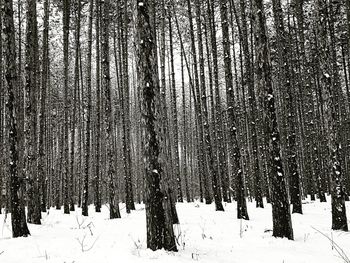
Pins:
x: 84, y: 247
x: 335, y: 246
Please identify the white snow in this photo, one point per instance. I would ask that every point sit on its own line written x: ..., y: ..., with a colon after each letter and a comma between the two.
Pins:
x: 204, y: 235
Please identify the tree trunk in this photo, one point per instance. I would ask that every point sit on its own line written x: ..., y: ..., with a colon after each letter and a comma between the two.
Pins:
x: 201, y: 95
x: 282, y: 223
x: 327, y: 13
x: 222, y: 151
x: 42, y: 116
x: 31, y: 87
x: 174, y: 114
x: 98, y: 113
x: 234, y: 151
x: 106, y: 86
x: 18, y: 218
x: 198, y: 108
x: 129, y: 196
x: 249, y: 82
x: 88, y: 116
x: 2, y: 124
x: 147, y: 68
x: 185, y: 133
x: 285, y: 75
x: 66, y: 19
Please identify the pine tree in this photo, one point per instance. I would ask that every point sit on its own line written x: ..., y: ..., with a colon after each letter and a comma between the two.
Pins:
x: 43, y: 115
x: 31, y: 89
x: 284, y: 69
x: 66, y: 19
x: 157, y: 235
x: 129, y: 197
x: 234, y: 151
x: 282, y: 223
x: 18, y: 218
x: 109, y: 127
x: 98, y: 113
x: 85, y: 211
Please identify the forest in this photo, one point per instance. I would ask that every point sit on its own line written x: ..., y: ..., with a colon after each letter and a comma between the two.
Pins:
x: 174, y: 130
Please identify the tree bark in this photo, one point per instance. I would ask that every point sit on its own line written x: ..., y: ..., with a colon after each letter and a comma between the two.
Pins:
x: 31, y: 89
x: 43, y: 116
x: 285, y: 75
x: 174, y: 114
x: 129, y: 196
x: 66, y: 19
x: 203, y: 171
x: 201, y: 95
x: 98, y: 113
x: 88, y: 114
x: 151, y: 109
x: 234, y: 151
x: 18, y: 218
x: 109, y: 128
x: 282, y: 223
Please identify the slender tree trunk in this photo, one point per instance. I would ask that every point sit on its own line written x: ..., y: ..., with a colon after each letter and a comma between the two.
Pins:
x: 31, y: 88
x: 77, y: 10
x: 18, y: 218
x: 285, y: 74
x: 222, y: 151
x: 106, y: 85
x: 201, y: 147
x: 2, y: 123
x: 151, y: 109
x: 282, y: 223
x: 234, y: 151
x: 166, y: 145
x: 249, y: 82
x: 185, y: 132
x: 88, y: 116
x: 328, y: 13
x: 201, y: 95
x: 98, y: 113
x: 66, y: 19
x: 174, y: 114
x: 43, y: 116
x: 129, y: 198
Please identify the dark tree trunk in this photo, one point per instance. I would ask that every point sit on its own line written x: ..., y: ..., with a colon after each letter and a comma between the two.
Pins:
x: 185, y: 133
x: 174, y: 115
x: 235, y: 155
x: 2, y: 123
x: 203, y: 171
x: 43, y: 116
x: 285, y: 75
x: 249, y: 82
x: 201, y: 95
x: 129, y: 196
x: 328, y: 13
x: 109, y: 127
x: 222, y: 151
x: 18, y: 218
x: 151, y: 108
x: 98, y: 113
x: 66, y: 19
x: 282, y: 223
x: 88, y: 114
x: 31, y: 88
x: 77, y: 11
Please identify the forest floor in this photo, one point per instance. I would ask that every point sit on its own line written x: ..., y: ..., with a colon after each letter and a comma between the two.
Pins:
x: 204, y: 235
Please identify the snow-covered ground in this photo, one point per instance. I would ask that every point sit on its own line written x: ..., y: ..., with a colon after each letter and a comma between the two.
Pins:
x: 204, y: 236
